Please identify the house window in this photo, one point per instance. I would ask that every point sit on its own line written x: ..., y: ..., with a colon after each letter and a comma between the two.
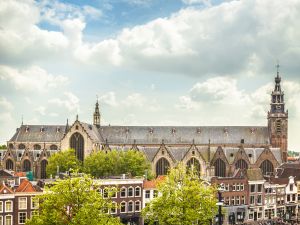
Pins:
x: 1, y: 208
x: 137, y: 206
x: 23, y: 203
x: 130, y: 192
x: 155, y: 193
x: 233, y: 187
x: 8, y: 206
x: 242, y: 187
x: 288, y: 198
x: 137, y: 192
x: 130, y: 206
x: 8, y: 220
x: 259, y: 188
x: 237, y: 187
x: 232, y: 201
x: 105, y: 193
x: 123, y: 207
x: 34, y: 202
x: 259, y: 199
x: 252, y: 200
x: 252, y: 188
x: 291, y: 187
x: 237, y: 200
x: 1, y: 220
x: 243, y: 200
x: 147, y: 194
x: 123, y: 192
x: 113, y: 209
x: 226, y: 187
x: 22, y: 217
x: 113, y: 193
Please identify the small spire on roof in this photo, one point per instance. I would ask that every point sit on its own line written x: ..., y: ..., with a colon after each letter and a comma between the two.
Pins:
x: 67, y: 126
x: 76, y: 117
x: 277, y: 66
x: 22, y: 120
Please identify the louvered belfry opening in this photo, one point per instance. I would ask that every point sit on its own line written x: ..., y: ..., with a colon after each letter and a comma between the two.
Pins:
x: 77, y: 143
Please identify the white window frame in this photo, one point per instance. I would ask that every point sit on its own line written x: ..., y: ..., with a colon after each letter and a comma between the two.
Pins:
x: 147, y: 191
x: 12, y: 206
x: 125, y: 192
x: 137, y: 188
x: 33, y: 198
x: 115, y: 192
x: 114, y: 206
x: 132, y: 207
x: 11, y: 219
x: 1, y: 207
x: 130, y: 188
x: 19, y: 217
x: 19, y: 201
x: 139, y: 203
x: 125, y: 207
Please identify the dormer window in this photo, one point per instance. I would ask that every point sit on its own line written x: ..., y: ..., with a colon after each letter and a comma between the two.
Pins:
x: 151, y: 130
x: 173, y: 131
x: 27, y: 129
x: 57, y: 129
x: 42, y: 129
x: 198, y: 130
x: 225, y: 130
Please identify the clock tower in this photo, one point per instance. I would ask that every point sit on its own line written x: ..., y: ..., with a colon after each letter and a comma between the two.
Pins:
x: 278, y: 119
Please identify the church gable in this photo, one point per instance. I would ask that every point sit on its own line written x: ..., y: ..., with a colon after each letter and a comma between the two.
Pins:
x: 240, y: 159
x: 267, y: 154
x: 219, y: 154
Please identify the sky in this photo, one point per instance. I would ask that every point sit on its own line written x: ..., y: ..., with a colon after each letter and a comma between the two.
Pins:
x: 150, y: 62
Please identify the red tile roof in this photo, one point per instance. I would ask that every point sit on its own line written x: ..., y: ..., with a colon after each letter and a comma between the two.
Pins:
x: 25, y: 186
x: 5, y: 190
x: 153, y: 183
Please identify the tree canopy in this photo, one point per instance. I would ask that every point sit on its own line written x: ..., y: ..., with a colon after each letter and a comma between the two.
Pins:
x: 3, y: 147
x: 102, y: 164
x: 73, y: 201
x: 183, y: 199
x: 65, y: 160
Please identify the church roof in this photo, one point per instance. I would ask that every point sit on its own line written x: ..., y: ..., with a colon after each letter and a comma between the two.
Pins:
x: 39, y: 133
x: 185, y: 134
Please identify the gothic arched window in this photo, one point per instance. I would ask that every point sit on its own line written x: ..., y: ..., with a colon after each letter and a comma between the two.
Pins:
x: 162, y: 167
x: 26, y: 165
x: 9, y: 165
x: 241, y: 164
x: 194, y: 163
x: 53, y: 147
x: 44, y: 164
x: 21, y: 146
x: 266, y: 167
x: 37, y: 147
x: 77, y: 143
x: 220, y: 168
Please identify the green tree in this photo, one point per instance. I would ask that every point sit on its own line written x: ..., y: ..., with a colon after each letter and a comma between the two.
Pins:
x: 101, y: 164
x: 73, y: 201
x: 64, y: 160
x: 183, y: 199
x: 3, y: 147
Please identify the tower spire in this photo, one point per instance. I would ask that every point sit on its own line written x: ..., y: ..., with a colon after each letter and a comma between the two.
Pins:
x: 67, y: 126
x: 96, y: 118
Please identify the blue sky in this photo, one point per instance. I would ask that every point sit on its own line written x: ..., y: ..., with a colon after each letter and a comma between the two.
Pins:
x: 171, y: 62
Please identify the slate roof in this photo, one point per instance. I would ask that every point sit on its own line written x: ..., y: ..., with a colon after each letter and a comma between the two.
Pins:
x: 92, y: 131
x: 34, y: 134
x: 184, y: 134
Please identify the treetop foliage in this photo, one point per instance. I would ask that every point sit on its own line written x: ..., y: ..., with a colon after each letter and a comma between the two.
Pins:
x: 73, y: 201
x: 183, y: 199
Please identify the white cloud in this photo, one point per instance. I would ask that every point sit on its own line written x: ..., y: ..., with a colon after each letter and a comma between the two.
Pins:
x: 109, y: 99
x: 41, y: 110
x: 69, y: 101
x: 5, y: 104
x: 32, y: 79
x: 134, y: 100
x: 185, y: 102
x: 191, y: 2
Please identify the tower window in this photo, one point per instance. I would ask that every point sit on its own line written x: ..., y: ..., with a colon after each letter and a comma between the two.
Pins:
x: 278, y: 126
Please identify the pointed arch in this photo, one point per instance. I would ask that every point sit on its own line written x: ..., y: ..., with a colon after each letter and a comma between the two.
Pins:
x: 26, y: 165
x: 53, y: 147
x: 44, y: 164
x: 77, y: 143
x: 241, y: 164
x: 194, y: 163
x: 162, y: 166
x: 37, y: 147
x: 220, y: 168
x: 266, y: 167
x: 9, y: 164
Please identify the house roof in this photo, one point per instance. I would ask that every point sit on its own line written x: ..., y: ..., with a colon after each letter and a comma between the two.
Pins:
x: 152, y: 184
x: 5, y: 190
x: 26, y: 186
x: 254, y: 174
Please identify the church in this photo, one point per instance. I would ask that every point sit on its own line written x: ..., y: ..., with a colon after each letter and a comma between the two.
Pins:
x: 212, y: 150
